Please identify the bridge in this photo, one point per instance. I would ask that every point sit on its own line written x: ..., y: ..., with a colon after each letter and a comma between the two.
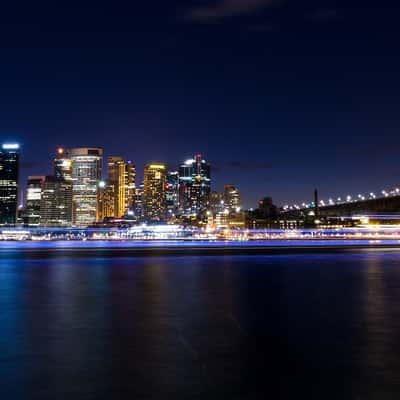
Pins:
x: 385, y: 206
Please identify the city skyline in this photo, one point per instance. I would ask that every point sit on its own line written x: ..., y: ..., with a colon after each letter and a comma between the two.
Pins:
x: 78, y: 193
x: 200, y: 199
x: 25, y: 172
x: 283, y: 92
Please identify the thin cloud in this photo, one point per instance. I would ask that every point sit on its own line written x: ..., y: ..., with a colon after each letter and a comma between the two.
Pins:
x: 227, y: 8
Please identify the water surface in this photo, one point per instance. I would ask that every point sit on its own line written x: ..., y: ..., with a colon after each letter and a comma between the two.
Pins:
x: 323, y: 326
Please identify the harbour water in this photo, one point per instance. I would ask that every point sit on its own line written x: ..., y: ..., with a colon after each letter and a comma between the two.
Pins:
x: 97, y: 325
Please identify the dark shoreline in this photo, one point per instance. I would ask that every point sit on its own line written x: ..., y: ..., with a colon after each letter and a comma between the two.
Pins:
x: 159, y: 251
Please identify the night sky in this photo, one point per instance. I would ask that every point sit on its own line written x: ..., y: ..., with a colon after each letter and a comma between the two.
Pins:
x: 280, y: 96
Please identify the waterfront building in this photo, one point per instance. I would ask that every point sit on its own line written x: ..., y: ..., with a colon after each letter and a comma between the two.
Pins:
x: 194, y: 186
x: 34, y: 189
x: 121, y: 185
x: 55, y: 202
x: 108, y: 205
x: 9, y: 183
x: 130, y: 186
x: 222, y: 220
x: 154, y: 192
x: 172, y: 193
x: 232, y: 200
x: 265, y: 216
x: 86, y: 174
x: 102, y: 186
x: 216, y: 202
x: 138, y: 206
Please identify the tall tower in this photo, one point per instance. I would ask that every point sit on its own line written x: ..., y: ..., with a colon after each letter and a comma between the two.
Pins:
x: 130, y: 185
x: 9, y: 183
x: 232, y: 199
x: 121, y: 184
x: 116, y: 184
x: 138, y: 207
x: 63, y: 165
x: 86, y: 174
x: 55, y: 202
x: 154, y: 192
x: 194, y: 186
x: 33, y: 199
x: 172, y: 193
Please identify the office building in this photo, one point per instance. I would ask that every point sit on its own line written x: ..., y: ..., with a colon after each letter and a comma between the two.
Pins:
x: 138, y: 207
x: 108, y: 203
x: 121, y: 185
x: 9, y: 183
x: 216, y: 202
x: 85, y: 176
x: 172, y: 193
x: 130, y: 186
x: 232, y: 200
x: 154, y: 192
x: 34, y: 189
x: 56, y: 201
x: 63, y: 165
x: 194, y: 186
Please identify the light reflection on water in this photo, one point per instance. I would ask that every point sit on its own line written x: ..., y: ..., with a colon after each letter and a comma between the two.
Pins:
x: 318, y: 325
x: 7, y: 245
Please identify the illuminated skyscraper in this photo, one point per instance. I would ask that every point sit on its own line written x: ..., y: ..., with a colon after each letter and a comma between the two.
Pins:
x: 116, y: 184
x: 194, y: 186
x: 86, y: 174
x: 121, y: 185
x: 55, y: 202
x: 33, y: 200
x: 100, y: 208
x: 63, y: 165
x: 130, y: 185
x: 154, y: 192
x: 232, y: 199
x: 108, y: 203
x: 138, y: 207
x: 172, y: 193
x: 216, y: 202
x: 9, y: 183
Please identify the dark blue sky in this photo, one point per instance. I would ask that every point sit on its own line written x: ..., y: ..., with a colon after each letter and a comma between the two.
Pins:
x: 281, y: 96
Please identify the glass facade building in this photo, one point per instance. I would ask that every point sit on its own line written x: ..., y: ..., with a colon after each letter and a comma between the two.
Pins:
x: 121, y: 185
x: 9, y: 183
x: 56, y: 202
x: 34, y: 188
x: 154, y: 192
x: 172, y: 193
x: 63, y: 165
x: 232, y: 198
x: 85, y: 176
x: 194, y: 186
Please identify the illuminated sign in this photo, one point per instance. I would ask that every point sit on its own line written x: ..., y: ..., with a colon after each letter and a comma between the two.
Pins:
x: 10, y: 146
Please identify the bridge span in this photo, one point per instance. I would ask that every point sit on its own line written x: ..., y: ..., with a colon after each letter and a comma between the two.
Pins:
x: 387, y: 204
